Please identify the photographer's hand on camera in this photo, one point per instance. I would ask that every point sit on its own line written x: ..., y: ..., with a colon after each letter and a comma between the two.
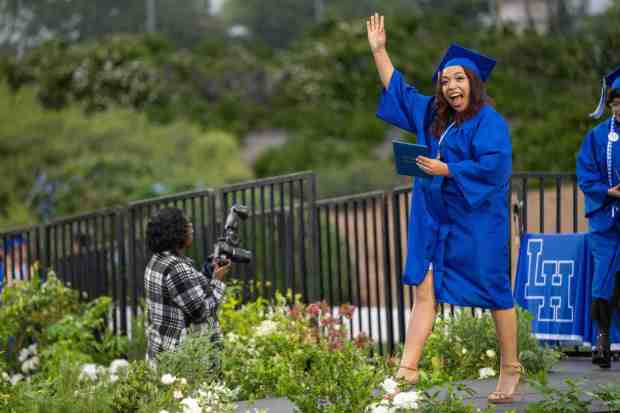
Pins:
x: 220, y: 271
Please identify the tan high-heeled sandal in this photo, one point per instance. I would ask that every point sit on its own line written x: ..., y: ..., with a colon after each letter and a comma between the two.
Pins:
x: 500, y: 397
x: 413, y: 380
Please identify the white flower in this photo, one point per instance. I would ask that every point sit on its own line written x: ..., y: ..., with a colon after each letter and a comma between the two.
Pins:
x: 490, y: 354
x: 390, y: 386
x: 168, y: 378
x: 5, y: 376
x: 380, y: 408
x: 177, y: 394
x: 113, y: 378
x: 164, y: 411
x: 90, y: 371
x: 23, y: 355
x: 190, y: 406
x: 406, y: 400
x: 183, y: 381
x: 464, y: 351
x: 486, y: 372
x: 232, y: 337
x: 25, y: 367
x: 117, y: 365
x: 34, y: 363
x: 30, y: 365
x: 15, y: 379
x: 266, y: 328
x: 32, y: 349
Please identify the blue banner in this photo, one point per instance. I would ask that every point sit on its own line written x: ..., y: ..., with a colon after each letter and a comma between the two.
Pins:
x: 554, y: 283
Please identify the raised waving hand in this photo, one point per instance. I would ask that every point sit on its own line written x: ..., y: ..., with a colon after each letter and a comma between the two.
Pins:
x: 376, y: 40
x: 376, y: 32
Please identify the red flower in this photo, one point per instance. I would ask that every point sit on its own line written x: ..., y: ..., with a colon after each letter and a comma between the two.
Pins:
x: 346, y: 310
x: 325, y: 307
x: 295, y: 312
x: 361, y: 341
x: 329, y: 321
x: 314, y: 309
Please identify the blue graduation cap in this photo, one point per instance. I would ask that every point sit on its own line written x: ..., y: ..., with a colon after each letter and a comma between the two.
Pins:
x: 609, y: 82
x: 457, y: 55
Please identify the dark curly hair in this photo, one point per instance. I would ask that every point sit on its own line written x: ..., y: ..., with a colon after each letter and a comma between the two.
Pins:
x: 167, y: 230
x: 613, y: 93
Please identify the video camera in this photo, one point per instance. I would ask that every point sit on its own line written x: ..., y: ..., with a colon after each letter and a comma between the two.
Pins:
x: 227, y: 247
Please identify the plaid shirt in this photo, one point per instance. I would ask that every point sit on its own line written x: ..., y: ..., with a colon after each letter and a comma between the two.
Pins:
x: 177, y: 295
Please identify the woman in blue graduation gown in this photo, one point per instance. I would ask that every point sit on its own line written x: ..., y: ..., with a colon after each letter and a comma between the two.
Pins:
x: 459, y: 217
x: 598, y: 174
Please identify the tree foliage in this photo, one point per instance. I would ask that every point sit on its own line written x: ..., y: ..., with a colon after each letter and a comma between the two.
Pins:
x: 71, y: 162
x: 322, y: 89
x: 27, y: 23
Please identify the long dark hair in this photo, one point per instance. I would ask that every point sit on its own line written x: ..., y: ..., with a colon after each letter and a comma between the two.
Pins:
x: 443, y: 111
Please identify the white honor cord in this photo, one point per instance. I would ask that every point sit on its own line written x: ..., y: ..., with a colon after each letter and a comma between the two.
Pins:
x: 443, y: 135
x: 612, y: 137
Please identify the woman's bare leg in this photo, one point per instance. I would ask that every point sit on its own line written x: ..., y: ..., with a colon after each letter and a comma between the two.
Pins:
x: 419, y: 328
x: 506, y: 328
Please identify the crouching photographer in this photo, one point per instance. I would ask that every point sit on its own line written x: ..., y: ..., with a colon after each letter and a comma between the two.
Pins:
x: 177, y: 294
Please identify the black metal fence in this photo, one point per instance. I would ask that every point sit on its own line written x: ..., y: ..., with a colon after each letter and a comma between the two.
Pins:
x: 343, y: 250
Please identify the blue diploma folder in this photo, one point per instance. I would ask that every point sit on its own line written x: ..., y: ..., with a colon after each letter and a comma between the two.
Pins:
x: 404, y: 157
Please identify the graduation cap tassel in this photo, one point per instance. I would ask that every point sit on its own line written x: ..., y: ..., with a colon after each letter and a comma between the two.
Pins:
x: 600, y: 109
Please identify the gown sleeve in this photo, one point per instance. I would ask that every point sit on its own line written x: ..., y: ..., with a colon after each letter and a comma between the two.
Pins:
x: 591, y: 181
x: 491, y: 164
x: 402, y: 105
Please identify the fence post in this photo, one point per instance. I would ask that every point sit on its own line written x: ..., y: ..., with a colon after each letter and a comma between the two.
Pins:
x: 313, y: 229
x: 387, y: 271
x: 400, y: 294
x: 122, y: 269
x: 133, y: 259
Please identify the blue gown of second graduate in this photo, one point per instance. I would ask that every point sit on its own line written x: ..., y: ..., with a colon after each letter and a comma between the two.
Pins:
x: 602, y: 211
x: 459, y: 224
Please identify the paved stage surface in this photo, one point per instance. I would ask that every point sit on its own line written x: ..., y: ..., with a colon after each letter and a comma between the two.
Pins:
x: 577, y: 369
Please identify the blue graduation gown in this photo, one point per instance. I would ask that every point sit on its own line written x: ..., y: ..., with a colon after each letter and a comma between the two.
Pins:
x: 602, y: 211
x: 459, y: 223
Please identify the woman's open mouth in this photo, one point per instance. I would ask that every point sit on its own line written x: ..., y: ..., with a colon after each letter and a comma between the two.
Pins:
x: 456, y: 99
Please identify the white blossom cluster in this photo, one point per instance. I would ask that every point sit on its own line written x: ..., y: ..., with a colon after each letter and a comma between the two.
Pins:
x: 208, y: 398
x: 29, y: 359
x: 94, y: 372
x: 394, y: 399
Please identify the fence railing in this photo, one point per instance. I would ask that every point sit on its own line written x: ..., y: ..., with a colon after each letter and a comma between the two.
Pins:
x: 342, y: 250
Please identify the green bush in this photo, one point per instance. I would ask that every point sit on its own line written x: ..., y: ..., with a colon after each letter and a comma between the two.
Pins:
x: 139, y: 387
x: 75, y: 162
x: 279, y: 348
x: 65, y: 332
x: 301, y: 352
x: 197, y: 359
x: 29, y: 308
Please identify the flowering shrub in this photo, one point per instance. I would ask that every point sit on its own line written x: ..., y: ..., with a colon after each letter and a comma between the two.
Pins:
x: 49, y: 314
x: 196, y: 359
x: 301, y: 352
x: 269, y: 349
x: 28, y: 308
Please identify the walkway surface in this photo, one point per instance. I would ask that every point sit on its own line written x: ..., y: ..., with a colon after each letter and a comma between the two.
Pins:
x: 580, y: 370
